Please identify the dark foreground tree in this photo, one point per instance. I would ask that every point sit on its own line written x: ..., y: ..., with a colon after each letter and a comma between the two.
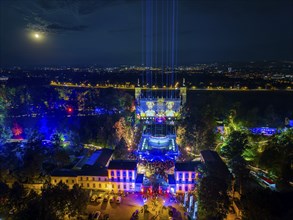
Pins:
x: 57, y: 201
x: 4, y: 196
x: 121, y: 151
x: 213, y: 200
x: 267, y: 204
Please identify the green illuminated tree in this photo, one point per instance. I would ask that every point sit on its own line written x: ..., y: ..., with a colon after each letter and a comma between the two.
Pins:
x: 57, y: 139
x: 5, y: 134
x: 234, y: 145
x: 278, y: 156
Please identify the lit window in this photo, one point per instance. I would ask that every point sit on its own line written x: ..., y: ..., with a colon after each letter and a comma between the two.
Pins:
x: 94, y: 185
x: 100, y: 185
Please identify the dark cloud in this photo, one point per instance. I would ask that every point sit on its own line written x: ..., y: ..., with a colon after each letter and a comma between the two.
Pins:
x: 123, y: 30
x: 112, y: 32
x: 82, y: 7
x: 57, y: 27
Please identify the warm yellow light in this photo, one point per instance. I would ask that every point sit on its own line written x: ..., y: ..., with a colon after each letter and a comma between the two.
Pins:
x: 37, y: 36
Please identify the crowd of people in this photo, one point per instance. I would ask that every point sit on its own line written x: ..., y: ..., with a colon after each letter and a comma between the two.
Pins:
x: 158, y: 167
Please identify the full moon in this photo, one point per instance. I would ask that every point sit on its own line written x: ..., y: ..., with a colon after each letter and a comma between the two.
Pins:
x: 37, y: 36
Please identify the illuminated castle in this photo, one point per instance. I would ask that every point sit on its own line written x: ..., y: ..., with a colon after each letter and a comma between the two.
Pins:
x: 159, y: 116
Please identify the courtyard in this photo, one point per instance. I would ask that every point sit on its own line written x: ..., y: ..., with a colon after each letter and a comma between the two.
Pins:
x: 150, y: 208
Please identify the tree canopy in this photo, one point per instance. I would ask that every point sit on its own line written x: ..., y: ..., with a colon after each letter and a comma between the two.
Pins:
x: 213, y: 200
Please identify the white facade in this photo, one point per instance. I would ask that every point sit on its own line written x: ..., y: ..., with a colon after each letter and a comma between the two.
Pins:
x: 185, y: 181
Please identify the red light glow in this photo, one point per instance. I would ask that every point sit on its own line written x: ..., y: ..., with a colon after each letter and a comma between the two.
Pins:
x: 69, y: 109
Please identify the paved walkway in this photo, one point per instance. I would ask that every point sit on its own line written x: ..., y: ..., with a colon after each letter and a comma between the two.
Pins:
x: 134, y: 202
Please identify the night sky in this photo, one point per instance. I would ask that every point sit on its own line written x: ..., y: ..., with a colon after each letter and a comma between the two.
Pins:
x: 109, y: 32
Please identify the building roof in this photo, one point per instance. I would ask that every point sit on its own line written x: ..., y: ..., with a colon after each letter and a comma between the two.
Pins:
x: 99, y: 158
x: 139, y: 178
x: 123, y: 165
x: 215, y: 165
x: 64, y: 172
x: 93, y: 158
x: 171, y: 179
x: 187, y: 166
x: 104, y: 157
x: 210, y: 156
x: 93, y: 171
x: 80, y: 163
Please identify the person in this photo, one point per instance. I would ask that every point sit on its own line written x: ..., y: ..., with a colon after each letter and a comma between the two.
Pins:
x: 150, y: 112
x: 170, y: 112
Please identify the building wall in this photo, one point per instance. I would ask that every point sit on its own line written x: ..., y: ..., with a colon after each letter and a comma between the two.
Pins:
x: 122, y: 186
x: 121, y: 180
x: 86, y: 182
x: 124, y: 180
x: 69, y: 181
x: 121, y: 175
x: 185, y: 181
x: 94, y: 182
x: 181, y: 188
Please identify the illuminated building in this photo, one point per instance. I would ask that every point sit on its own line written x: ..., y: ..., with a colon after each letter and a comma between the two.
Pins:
x: 122, y: 175
x: 159, y: 113
x: 99, y: 172
x: 186, y: 176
